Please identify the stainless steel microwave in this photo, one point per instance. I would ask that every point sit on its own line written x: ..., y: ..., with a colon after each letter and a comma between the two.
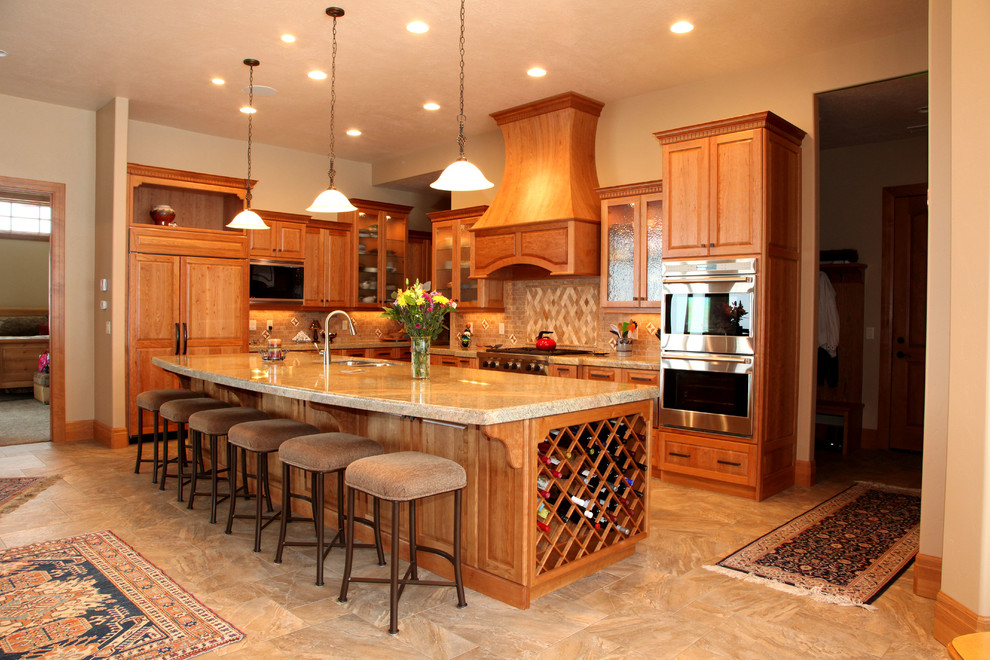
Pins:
x: 273, y: 281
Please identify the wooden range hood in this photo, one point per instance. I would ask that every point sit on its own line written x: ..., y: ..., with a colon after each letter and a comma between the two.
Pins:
x: 545, y: 219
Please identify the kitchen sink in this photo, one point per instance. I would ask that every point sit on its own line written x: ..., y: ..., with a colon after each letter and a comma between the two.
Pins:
x: 360, y: 363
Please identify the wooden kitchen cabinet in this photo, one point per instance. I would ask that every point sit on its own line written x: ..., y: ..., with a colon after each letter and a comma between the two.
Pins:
x: 328, y: 269
x: 454, y: 361
x: 728, y: 186
x: 285, y: 240
x: 632, y: 242
x: 724, y: 464
x: 419, y: 256
x: 603, y: 374
x: 452, y: 249
x: 200, y: 201
x: 180, y: 305
x: 379, y: 236
x: 564, y: 370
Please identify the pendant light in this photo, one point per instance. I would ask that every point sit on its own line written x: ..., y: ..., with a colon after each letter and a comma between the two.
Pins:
x: 332, y: 200
x: 248, y: 219
x: 461, y: 175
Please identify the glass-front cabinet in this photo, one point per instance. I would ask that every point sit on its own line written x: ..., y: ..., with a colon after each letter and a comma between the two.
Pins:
x: 452, y: 260
x: 380, y: 233
x: 632, y: 242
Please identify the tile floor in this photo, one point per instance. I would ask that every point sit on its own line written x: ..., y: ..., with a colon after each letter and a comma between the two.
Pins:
x: 658, y: 603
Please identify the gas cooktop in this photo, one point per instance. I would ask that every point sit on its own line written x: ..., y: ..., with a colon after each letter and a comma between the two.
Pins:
x: 532, y: 350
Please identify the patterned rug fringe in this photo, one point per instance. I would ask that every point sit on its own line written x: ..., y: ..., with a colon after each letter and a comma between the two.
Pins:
x: 27, y: 494
x: 814, y: 594
x: 893, y: 489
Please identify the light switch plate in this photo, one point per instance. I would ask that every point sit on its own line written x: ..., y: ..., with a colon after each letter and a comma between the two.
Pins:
x: 252, y: 325
x: 501, y: 328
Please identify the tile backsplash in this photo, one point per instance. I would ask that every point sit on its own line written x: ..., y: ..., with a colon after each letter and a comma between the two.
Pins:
x: 288, y: 324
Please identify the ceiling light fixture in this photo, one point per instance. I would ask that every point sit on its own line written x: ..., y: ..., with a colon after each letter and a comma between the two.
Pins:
x: 248, y: 219
x: 288, y: 38
x: 317, y: 75
x: 461, y: 175
x: 332, y: 200
x: 681, y: 27
x: 353, y: 132
x: 431, y: 106
x: 418, y: 27
x: 218, y: 81
x: 536, y: 72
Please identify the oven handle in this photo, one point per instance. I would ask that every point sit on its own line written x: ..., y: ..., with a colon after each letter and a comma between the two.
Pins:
x: 706, y: 358
x: 705, y: 280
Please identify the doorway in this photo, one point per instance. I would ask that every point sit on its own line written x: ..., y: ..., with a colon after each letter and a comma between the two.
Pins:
x: 54, y: 195
x: 872, y: 138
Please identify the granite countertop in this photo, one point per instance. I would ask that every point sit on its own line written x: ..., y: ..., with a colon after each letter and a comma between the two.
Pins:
x: 451, y: 394
x: 13, y: 338
x: 303, y: 346
x: 610, y: 360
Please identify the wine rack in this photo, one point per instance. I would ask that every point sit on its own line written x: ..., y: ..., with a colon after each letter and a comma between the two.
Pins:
x: 591, y: 490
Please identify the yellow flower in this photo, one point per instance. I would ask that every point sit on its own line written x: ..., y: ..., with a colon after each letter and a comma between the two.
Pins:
x: 443, y: 300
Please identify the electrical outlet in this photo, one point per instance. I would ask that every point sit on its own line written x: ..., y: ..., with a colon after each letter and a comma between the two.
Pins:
x: 108, y: 327
x: 271, y: 324
x: 252, y: 325
x: 871, y: 333
x: 501, y: 328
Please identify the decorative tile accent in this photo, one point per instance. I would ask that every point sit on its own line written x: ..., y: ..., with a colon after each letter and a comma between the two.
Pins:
x: 569, y: 311
x: 294, y: 321
x: 378, y: 332
x: 612, y: 342
x: 266, y: 334
x: 484, y: 323
x: 512, y: 339
x: 652, y: 329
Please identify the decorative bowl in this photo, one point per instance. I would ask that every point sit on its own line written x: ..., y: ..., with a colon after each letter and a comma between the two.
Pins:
x: 162, y: 214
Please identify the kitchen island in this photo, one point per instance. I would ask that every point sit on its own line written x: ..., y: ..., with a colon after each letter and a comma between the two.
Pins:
x: 557, y: 480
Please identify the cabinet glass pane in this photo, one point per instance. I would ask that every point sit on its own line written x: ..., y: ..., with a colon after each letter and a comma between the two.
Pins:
x: 443, y: 251
x: 395, y: 255
x: 621, y: 247
x: 654, y: 245
x: 367, y: 271
x: 468, y: 288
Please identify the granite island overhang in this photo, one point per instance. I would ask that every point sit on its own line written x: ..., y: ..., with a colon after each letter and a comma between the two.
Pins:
x: 558, y: 480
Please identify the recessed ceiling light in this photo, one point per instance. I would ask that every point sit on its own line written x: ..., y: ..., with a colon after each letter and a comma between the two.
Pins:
x: 431, y: 106
x: 248, y: 110
x: 288, y: 38
x: 317, y: 75
x: 681, y: 27
x: 418, y: 27
x: 218, y: 81
x: 353, y: 132
x: 536, y: 72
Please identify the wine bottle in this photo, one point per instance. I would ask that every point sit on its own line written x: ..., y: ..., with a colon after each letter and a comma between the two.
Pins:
x: 619, y: 527
x: 551, y: 464
x: 543, y: 527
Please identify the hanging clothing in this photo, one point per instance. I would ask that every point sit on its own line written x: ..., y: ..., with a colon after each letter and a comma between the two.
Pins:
x: 828, y: 333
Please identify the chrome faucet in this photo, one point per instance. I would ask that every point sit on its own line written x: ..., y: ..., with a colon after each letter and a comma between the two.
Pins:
x: 327, y: 333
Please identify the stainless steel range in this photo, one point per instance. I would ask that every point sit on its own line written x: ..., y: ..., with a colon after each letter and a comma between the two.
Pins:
x: 523, y: 359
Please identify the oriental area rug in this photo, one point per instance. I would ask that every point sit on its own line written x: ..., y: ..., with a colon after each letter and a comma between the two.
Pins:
x: 93, y: 596
x: 15, y: 491
x: 845, y: 551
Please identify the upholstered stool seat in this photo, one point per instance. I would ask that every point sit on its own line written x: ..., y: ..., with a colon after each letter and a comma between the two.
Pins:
x: 178, y: 412
x: 319, y: 455
x: 262, y: 438
x: 214, y: 424
x: 405, y: 476
x: 152, y: 401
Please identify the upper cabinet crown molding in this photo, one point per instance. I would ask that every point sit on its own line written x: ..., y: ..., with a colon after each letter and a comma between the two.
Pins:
x: 153, y: 174
x: 757, y: 120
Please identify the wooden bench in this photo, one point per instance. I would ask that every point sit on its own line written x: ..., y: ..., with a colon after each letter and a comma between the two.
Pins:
x: 851, y: 415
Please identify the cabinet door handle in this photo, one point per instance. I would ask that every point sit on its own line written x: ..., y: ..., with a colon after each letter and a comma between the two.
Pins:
x: 721, y: 462
x: 176, y: 339
x: 674, y: 453
x: 185, y: 338
x: 644, y: 379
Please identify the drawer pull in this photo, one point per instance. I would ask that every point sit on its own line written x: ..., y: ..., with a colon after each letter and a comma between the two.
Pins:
x: 674, y: 453
x: 645, y: 379
x: 721, y: 462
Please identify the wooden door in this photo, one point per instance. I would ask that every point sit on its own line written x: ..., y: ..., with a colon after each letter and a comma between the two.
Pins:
x: 621, y: 241
x: 905, y: 264
x: 214, y: 305
x: 686, y: 184
x: 153, y: 326
x: 315, y: 276
x: 736, y: 193
x: 261, y: 243
x: 290, y: 240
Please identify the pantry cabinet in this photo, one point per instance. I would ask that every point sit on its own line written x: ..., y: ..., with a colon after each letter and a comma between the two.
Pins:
x: 452, y: 249
x: 328, y: 269
x: 632, y: 241
x: 200, y: 201
x: 379, y: 236
x: 284, y: 240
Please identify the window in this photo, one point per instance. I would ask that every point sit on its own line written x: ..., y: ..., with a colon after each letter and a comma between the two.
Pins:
x: 25, y: 215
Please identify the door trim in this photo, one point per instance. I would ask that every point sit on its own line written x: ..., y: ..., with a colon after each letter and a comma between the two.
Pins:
x: 56, y: 295
x: 890, y: 195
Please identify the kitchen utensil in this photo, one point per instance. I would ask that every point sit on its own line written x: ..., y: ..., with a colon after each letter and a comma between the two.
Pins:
x: 545, y: 343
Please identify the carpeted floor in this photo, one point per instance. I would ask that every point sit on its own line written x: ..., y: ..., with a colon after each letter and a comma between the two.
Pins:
x: 15, y: 491
x: 845, y: 551
x: 23, y: 420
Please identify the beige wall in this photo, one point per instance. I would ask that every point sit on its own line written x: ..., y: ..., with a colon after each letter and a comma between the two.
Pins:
x: 628, y: 152
x: 49, y: 142
x: 288, y: 180
x: 852, y: 180
x: 24, y: 263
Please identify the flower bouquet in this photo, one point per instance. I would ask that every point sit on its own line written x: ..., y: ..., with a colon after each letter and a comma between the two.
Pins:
x: 421, y: 313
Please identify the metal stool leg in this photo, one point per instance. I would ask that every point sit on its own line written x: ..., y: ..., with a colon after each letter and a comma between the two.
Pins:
x: 461, y: 602
x: 317, y: 496
x: 137, y: 463
x: 232, y: 484
x: 393, y: 593
x: 349, y: 545
x: 413, y: 565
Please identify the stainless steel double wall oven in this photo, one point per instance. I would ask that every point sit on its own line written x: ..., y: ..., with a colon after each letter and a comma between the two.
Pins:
x: 708, y: 345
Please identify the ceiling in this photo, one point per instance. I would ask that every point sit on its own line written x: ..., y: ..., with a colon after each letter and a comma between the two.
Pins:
x: 162, y: 56
x: 877, y: 112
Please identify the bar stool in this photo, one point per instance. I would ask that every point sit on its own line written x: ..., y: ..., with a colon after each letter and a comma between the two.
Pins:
x: 320, y: 455
x: 405, y: 476
x: 261, y: 438
x: 152, y: 401
x: 214, y: 424
x: 178, y: 412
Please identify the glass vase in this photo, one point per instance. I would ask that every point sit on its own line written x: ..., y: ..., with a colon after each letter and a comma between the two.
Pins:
x: 420, y: 356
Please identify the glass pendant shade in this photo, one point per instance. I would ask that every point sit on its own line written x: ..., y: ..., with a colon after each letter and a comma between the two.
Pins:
x: 461, y: 176
x: 331, y: 200
x: 247, y: 219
